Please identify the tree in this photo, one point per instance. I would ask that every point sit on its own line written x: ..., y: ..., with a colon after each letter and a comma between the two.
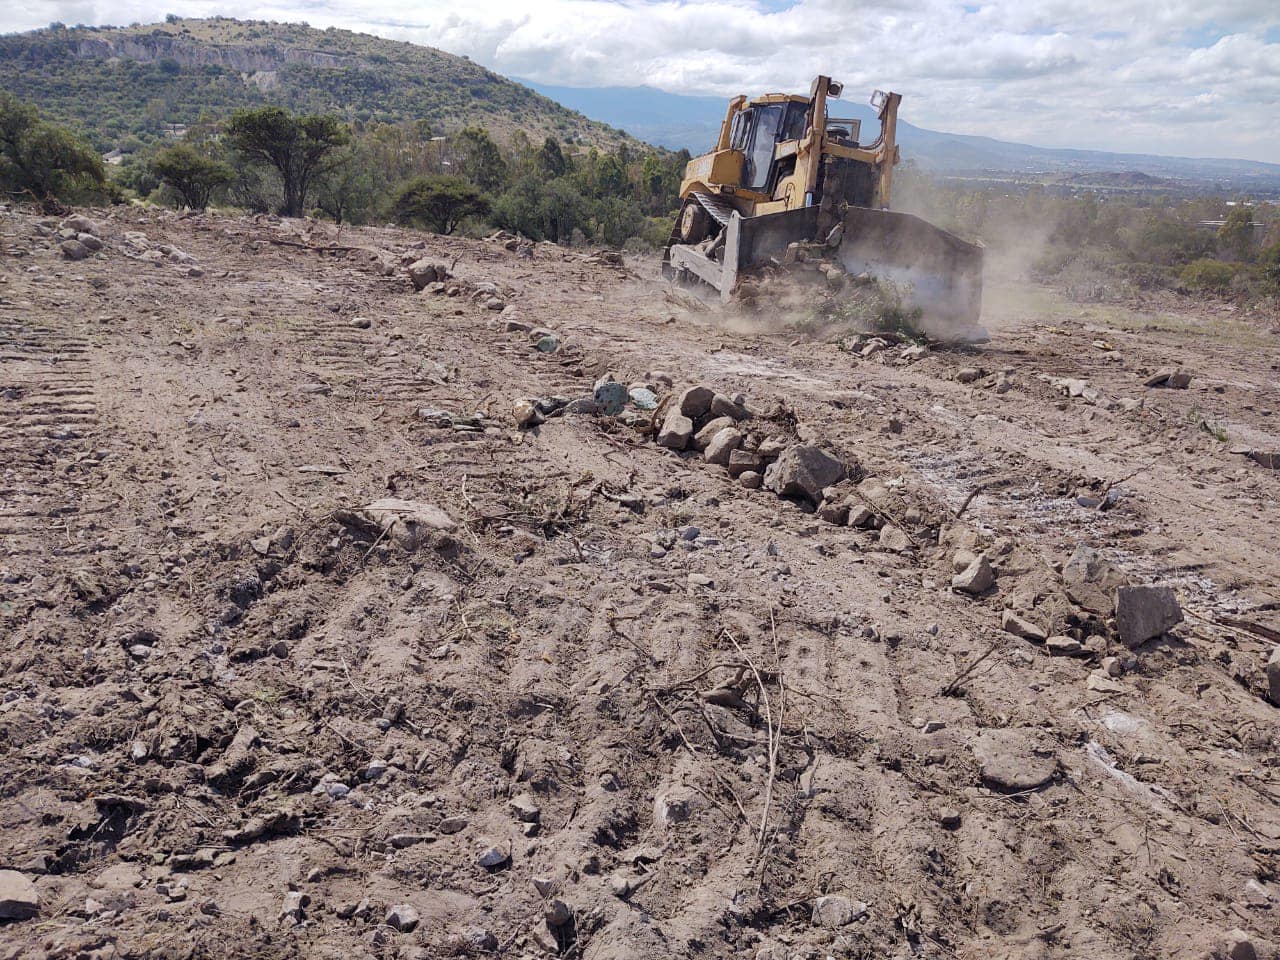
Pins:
x: 296, y: 146
x: 439, y: 202
x: 1236, y: 232
x: 44, y: 159
x: 190, y: 175
x: 347, y: 189
x: 479, y: 159
x: 552, y: 158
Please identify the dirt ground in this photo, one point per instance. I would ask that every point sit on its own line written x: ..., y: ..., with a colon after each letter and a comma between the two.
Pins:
x: 240, y: 718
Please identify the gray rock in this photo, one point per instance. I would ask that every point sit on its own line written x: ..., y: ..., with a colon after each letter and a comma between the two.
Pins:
x: 695, y: 402
x: 1273, y: 675
x: 968, y: 374
x: 677, y: 430
x: 491, y: 858
x: 1090, y: 580
x: 803, y: 470
x: 860, y: 515
x: 402, y: 917
x: 73, y: 249
x: 611, y: 397
x: 837, y: 513
x: 709, y: 430
x: 1145, y: 612
x: 643, y: 397
x: 750, y: 478
x: 1064, y: 646
x: 294, y: 908
x: 547, y: 344
x: 525, y: 808
x: 452, y: 825
x: 478, y: 940
x: 722, y: 446
x: 1010, y: 622
x: 517, y: 326
x: 1237, y: 945
x: 669, y: 810
x: 424, y: 272
x: 745, y: 461
x: 894, y: 538
x: 81, y: 224
x: 495, y: 304
x: 90, y: 242
x: 722, y: 406
x: 558, y: 913
x: 975, y: 579
x: 584, y: 406
x: 1015, y: 759
x: 361, y: 323
x: 834, y: 911
x: 18, y: 897
x: 526, y: 414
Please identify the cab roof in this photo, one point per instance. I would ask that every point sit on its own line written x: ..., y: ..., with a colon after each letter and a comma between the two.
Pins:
x: 777, y: 98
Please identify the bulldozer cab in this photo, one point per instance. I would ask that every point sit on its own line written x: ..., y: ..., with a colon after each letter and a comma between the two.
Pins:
x: 756, y: 132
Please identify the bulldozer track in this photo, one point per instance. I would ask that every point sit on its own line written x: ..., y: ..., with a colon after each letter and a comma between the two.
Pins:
x: 48, y: 425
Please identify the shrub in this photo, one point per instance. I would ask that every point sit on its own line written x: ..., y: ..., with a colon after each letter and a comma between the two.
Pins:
x: 438, y: 202
x: 1207, y: 274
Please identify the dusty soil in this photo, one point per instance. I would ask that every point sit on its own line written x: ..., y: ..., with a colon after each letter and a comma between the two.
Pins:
x: 237, y: 720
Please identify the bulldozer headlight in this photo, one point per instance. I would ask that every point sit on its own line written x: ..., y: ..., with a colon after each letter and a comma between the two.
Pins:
x: 835, y: 88
x: 878, y: 99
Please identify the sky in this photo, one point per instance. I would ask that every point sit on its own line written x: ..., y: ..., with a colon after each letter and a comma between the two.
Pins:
x: 1194, y: 78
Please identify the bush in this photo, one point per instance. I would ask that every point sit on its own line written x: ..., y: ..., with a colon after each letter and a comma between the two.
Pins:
x: 190, y: 175
x: 438, y: 202
x: 47, y: 161
x: 1207, y: 274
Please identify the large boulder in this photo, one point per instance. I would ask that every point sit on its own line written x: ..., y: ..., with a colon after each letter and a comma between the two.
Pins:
x: 425, y: 272
x: 18, y: 897
x: 722, y: 445
x: 1143, y: 613
x: 803, y: 471
x: 695, y: 403
x: 677, y: 430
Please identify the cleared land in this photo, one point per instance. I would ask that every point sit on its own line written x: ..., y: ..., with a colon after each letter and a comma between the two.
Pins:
x: 239, y: 717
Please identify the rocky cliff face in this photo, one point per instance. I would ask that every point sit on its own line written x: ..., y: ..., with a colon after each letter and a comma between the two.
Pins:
x: 245, y: 58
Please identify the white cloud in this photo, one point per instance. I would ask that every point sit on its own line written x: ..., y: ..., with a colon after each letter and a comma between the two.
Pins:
x: 1175, y: 76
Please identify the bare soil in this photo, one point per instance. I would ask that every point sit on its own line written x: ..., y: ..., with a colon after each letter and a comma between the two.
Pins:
x: 238, y: 720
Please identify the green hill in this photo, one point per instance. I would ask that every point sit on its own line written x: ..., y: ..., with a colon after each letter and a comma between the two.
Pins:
x: 118, y: 83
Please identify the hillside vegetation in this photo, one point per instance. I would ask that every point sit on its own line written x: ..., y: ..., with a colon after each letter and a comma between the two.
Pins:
x: 125, y: 86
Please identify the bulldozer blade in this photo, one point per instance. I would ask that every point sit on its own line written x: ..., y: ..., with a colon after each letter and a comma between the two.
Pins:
x: 933, y: 270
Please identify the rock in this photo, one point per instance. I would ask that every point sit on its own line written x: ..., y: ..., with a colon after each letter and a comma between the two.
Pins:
x: 722, y: 446
x: 424, y: 272
x: 525, y: 808
x: 583, y: 406
x: 861, y: 516
x: 669, y: 810
x: 709, y: 430
x: 452, y: 825
x: 547, y: 344
x: 475, y: 940
x: 1010, y: 622
x: 1014, y: 759
x: 1169, y: 377
x: 73, y: 249
x: 402, y: 917
x: 917, y: 351
x: 894, y: 538
x: 1145, y: 612
x: 837, y: 513
x: 722, y: 406
x: 643, y: 398
x: 1114, y: 668
x: 558, y: 913
x: 81, y: 224
x: 294, y: 908
x: 491, y: 858
x: 745, y: 461
x: 1237, y: 945
x: 677, y: 430
x: 975, y: 579
x: 361, y: 323
x: 949, y: 818
x: 90, y: 242
x: 962, y: 559
x: 526, y: 414
x: 968, y: 374
x: 1100, y: 682
x: 749, y: 478
x: 695, y: 402
x: 803, y: 470
x: 1273, y: 675
x: 1090, y: 581
x: 409, y: 523
x: 495, y: 304
x: 834, y: 911
x: 611, y: 397
x: 517, y: 326
x: 18, y: 897
x: 771, y: 447
x: 1064, y: 646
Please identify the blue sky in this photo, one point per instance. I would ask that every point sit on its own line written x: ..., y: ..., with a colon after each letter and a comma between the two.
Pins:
x: 1186, y: 77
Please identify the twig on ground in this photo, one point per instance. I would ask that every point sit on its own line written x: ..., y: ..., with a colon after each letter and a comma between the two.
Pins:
x: 951, y: 687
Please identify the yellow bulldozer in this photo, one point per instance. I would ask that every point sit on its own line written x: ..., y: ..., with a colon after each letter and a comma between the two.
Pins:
x: 785, y: 172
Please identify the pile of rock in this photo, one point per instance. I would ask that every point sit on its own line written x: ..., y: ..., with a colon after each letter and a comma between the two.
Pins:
x: 631, y: 404
x: 433, y: 277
